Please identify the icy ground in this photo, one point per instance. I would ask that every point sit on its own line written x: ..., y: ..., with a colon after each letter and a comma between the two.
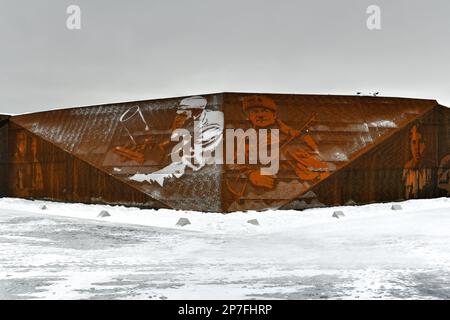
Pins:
x: 66, y: 252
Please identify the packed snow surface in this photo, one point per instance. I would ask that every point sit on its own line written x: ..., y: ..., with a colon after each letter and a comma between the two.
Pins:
x: 67, y: 251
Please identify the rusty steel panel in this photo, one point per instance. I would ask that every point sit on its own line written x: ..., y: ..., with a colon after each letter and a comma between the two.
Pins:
x: 319, y: 136
x: 123, y: 140
x: 39, y: 170
x: 3, y: 154
x: 413, y: 164
x: 323, y: 141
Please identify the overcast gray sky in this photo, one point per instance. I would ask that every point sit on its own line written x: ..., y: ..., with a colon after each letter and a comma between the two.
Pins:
x: 131, y: 50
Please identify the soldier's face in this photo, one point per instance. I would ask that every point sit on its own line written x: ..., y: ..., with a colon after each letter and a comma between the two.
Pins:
x: 184, y: 115
x: 181, y: 118
x: 417, y: 146
x: 261, y: 117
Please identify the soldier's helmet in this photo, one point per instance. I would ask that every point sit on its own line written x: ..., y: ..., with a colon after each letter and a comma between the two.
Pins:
x: 197, y: 102
x: 258, y: 102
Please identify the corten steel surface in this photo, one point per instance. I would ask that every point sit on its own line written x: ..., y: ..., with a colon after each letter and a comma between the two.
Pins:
x: 333, y: 149
x: 3, y: 154
x: 413, y: 163
x: 38, y: 169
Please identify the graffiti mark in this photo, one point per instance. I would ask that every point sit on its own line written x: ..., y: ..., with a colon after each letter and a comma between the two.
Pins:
x: 133, y: 121
x: 138, y: 131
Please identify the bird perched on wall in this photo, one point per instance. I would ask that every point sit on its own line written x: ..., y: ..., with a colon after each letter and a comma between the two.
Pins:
x: 368, y: 94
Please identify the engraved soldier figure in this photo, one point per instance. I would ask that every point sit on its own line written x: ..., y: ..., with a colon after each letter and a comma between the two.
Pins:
x: 207, y: 126
x: 303, y: 157
x: 416, y: 174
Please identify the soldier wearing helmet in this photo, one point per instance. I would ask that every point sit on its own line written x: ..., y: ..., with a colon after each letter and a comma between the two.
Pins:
x: 261, y: 111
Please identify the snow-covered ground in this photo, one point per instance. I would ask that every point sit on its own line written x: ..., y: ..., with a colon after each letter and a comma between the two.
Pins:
x: 67, y: 252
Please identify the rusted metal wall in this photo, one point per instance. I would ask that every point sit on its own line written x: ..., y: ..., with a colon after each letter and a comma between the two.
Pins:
x: 39, y: 170
x: 388, y: 171
x: 340, y: 131
x: 333, y: 149
x: 125, y: 139
x: 3, y: 154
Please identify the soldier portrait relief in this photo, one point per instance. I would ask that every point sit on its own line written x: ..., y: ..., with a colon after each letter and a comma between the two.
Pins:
x: 417, y: 173
x: 298, y: 154
x: 194, y: 150
x: 230, y: 151
x: 160, y: 150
